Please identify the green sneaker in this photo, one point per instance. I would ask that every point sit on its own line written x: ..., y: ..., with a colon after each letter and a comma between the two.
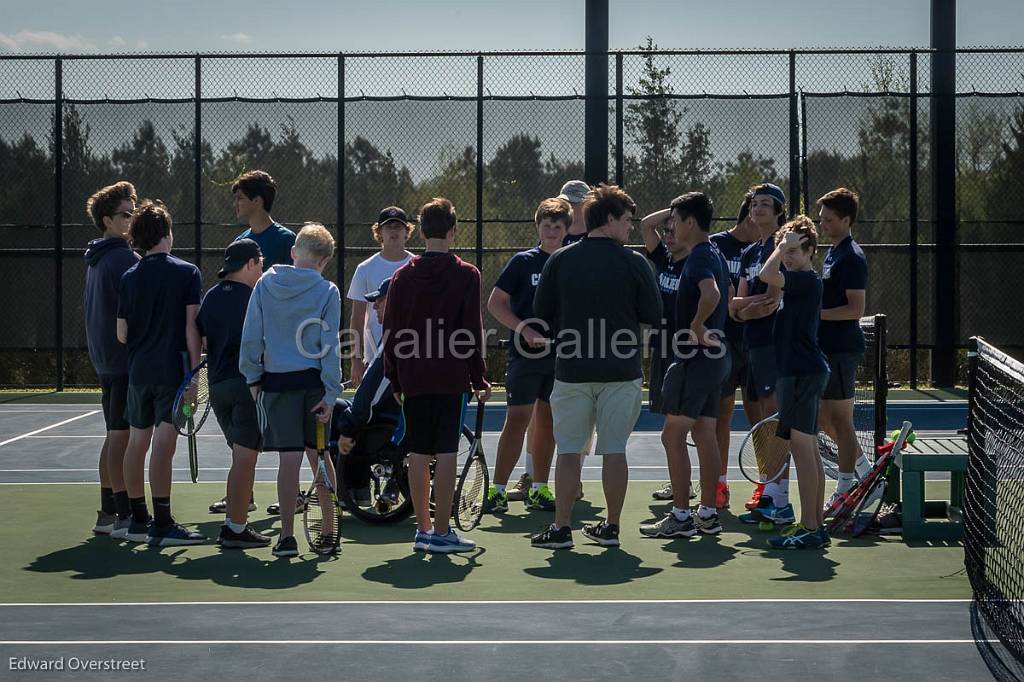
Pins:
x: 541, y: 498
x: 495, y: 502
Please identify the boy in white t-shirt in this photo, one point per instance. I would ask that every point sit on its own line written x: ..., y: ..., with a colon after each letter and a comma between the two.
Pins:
x: 392, y: 230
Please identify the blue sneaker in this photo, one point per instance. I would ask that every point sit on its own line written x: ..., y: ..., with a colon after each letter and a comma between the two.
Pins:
x: 421, y: 543
x: 798, y: 537
x: 450, y: 543
x: 767, y: 511
x: 173, y: 535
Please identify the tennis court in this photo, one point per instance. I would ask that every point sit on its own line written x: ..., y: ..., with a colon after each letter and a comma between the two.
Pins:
x: 653, y: 609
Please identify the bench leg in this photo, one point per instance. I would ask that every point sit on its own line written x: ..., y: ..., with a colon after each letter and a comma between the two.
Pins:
x: 913, y: 505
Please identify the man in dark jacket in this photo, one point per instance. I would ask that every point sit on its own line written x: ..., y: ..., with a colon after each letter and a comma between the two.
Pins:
x: 106, y: 259
x: 433, y: 354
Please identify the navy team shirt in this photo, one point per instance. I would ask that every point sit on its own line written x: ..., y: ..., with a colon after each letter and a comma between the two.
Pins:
x: 519, y: 279
x: 570, y: 239
x: 845, y: 268
x: 796, y: 326
x: 757, y: 333
x: 704, y: 262
x: 732, y: 250
x: 220, y: 320
x: 153, y: 296
x: 275, y: 242
x: 667, y: 274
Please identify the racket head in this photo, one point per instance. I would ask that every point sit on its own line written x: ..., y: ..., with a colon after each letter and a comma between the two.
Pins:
x: 321, y: 519
x: 867, y: 511
x: 828, y: 451
x: 471, y: 490
x: 761, y: 458
x: 192, y: 402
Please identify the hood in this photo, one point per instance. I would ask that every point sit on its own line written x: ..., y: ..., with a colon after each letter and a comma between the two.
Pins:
x: 285, y: 282
x: 98, y: 248
x: 433, y: 271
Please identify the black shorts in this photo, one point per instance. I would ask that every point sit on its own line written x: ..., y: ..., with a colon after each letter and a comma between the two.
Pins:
x: 115, y: 400
x: 433, y: 423
x: 762, y: 372
x: 799, y: 402
x: 150, y: 405
x: 656, y: 400
x: 738, y: 370
x: 692, y: 388
x: 528, y: 380
x: 842, y: 382
x: 235, y: 411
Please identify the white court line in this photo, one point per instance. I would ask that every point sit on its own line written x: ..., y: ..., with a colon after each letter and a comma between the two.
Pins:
x: 486, y: 642
x: 47, y: 428
x: 491, y: 602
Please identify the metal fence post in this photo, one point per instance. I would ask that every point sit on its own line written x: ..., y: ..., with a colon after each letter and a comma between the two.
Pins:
x: 794, y: 140
x: 198, y: 160
x: 913, y: 221
x: 595, y: 117
x: 619, y: 152
x: 805, y: 192
x: 339, y: 209
x: 58, y: 215
x: 480, y: 162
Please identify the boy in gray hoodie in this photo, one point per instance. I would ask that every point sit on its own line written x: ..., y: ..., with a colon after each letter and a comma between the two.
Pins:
x: 289, y: 359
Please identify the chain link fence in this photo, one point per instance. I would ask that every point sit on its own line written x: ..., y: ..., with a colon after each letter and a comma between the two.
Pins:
x: 345, y: 135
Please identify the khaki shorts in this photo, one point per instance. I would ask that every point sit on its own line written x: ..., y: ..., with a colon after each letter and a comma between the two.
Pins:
x: 613, y: 407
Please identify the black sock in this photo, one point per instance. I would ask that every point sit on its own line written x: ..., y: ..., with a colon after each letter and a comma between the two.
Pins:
x: 140, y: 514
x: 107, y: 500
x: 162, y: 511
x: 121, y: 504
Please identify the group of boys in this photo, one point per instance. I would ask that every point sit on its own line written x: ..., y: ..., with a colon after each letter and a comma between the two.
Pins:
x: 739, y: 308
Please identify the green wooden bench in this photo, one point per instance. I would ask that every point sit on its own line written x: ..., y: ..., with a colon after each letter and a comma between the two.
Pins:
x: 919, y: 515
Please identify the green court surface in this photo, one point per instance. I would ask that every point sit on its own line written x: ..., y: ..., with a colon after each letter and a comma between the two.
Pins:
x: 50, y: 556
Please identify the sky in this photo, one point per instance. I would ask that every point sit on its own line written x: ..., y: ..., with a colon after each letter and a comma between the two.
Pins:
x: 74, y: 26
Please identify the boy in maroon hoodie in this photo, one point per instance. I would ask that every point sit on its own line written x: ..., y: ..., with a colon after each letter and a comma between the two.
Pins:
x: 433, y: 354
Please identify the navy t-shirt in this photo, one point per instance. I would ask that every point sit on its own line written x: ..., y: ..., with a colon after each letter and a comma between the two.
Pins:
x: 757, y: 333
x: 153, y: 295
x: 796, y: 326
x: 519, y: 279
x: 667, y: 274
x: 845, y: 268
x: 220, y: 320
x: 275, y: 242
x: 704, y: 262
x: 572, y: 238
x: 732, y: 250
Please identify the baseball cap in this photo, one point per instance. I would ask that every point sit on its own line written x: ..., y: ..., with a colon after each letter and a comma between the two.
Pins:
x: 238, y: 254
x: 574, y: 191
x: 382, y: 291
x: 390, y: 214
x: 774, y: 191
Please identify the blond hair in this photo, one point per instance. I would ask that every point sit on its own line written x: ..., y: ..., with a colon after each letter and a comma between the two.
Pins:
x: 314, y: 241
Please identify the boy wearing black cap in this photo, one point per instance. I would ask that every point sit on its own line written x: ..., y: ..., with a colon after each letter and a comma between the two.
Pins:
x: 220, y: 321
x: 392, y: 230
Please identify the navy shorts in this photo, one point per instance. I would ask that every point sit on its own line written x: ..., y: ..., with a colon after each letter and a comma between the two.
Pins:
x: 115, y: 401
x: 235, y: 411
x: 692, y: 387
x: 150, y: 405
x: 738, y: 370
x: 799, y: 402
x: 433, y: 423
x: 528, y: 380
x: 842, y: 382
x: 762, y: 372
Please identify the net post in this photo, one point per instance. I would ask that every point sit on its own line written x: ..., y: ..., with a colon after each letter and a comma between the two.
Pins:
x: 881, y: 379
x: 983, y: 465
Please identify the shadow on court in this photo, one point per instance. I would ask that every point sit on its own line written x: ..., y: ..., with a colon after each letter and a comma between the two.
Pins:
x: 419, y: 569
x: 613, y: 566
x: 535, y: 521
x: 700, y: 551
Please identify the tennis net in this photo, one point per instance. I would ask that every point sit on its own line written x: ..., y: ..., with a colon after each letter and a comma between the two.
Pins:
x: 994, y: 494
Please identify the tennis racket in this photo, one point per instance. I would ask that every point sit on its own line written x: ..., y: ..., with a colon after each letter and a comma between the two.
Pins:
x: 763, y: 457
x: 471, y: 490
x: 321, y: 519
x: 191, y: 407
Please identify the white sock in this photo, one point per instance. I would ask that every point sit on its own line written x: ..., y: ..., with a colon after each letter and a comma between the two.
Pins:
x: 500, y: 487
x: 778, y: 491
x: 680, y: 514
x: 845, y: 482
x: 529, y: 465
x: 235, y: 527
x: 863, y: 466
x: 706, y: 512
x: 724, y: 478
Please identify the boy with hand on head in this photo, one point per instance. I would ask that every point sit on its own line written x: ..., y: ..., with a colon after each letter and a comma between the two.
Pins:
x: 156, y: 319
x: 803, y: 375
x: 433, y: 353
x: 289, y: 358
x: 531, y: 363
x: 107, y: 259
x: 220, y: 321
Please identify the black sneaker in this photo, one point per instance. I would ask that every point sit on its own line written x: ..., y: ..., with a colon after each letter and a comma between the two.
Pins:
x: 553, y: 538
x: 604, y: 533
x: 286, y: 547
x: 300, y: 505
x: 221, y: 506
x: 709, y: 525
x: 247, y: 539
